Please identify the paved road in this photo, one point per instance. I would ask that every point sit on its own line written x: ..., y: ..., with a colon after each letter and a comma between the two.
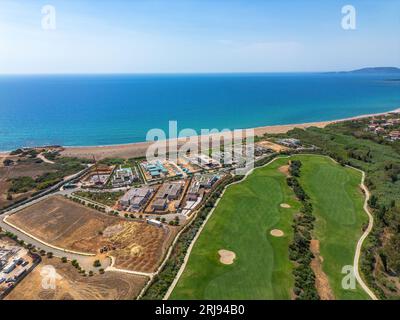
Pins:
x: 85, y: 261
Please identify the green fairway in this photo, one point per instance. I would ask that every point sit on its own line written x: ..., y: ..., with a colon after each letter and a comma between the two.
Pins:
x: 338, y: 207
x: 242, y: 222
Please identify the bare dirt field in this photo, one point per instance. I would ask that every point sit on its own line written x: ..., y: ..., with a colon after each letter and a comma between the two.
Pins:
x: 135, y: 245
x: 63, y: 223
x: 140, y: 246
x: 74, y: 286
x: 270, y: 145
x: 321, y: 279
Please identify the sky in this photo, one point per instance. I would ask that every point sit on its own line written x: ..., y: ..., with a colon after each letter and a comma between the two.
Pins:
x: 196, y: 36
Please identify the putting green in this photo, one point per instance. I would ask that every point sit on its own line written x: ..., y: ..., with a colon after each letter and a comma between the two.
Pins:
x: 242, y: 223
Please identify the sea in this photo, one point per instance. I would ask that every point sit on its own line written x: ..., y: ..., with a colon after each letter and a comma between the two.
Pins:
x: 87, y: 110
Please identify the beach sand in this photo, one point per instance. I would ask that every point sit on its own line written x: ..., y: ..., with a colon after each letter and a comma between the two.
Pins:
x: 134, y: 150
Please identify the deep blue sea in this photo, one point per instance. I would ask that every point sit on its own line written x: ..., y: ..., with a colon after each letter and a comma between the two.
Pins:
x: 117, y: 109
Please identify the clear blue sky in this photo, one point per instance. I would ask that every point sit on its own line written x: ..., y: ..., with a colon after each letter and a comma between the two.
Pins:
x: 146, y: 36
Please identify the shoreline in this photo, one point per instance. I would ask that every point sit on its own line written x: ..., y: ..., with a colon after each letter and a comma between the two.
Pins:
x: 138, y: 149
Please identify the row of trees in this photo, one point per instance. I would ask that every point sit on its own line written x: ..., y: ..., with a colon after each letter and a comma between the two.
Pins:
x: 294, y: 168
x: 88, y: 204
x: 299, y: 249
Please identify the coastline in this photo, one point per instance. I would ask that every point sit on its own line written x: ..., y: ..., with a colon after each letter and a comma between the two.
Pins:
x: 138, y: 149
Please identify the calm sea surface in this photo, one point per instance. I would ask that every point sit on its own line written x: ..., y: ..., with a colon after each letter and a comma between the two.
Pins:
x: 117, y: 109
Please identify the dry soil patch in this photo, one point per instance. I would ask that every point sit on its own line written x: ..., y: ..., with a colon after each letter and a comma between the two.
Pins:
x: 321, y: 280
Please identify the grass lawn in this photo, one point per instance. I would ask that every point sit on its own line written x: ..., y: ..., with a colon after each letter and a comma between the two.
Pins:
x: 338, y: 207
x: 241, y: 223
x: 243, y: 219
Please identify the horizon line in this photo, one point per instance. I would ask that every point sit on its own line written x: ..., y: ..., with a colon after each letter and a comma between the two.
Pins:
x: 186, y: 73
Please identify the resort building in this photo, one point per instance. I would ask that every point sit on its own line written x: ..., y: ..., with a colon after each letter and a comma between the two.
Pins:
x: 204, y: 161
x: 159, y: 204
x: 379, y: 130
x: 98, y: 176
x: 194, y: 191
x: 394, y: 135
x: 291, y: 143
x: 123, y: 177
x: 170, y: 191
x: 98, y: 179
x: 394, y: 121
x: 155, y: 169
x: 136, y: 198
x: 206, y: 180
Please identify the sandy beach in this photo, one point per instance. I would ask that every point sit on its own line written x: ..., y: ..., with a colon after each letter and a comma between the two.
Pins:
x: 138, y: 149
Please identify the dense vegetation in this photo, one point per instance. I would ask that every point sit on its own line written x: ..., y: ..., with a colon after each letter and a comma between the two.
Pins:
x: 112, y: 161
x: 299, y: 249
x: 350, y: 144
x: 61, y: 168
x: 294, y: 168
x: 107, y: 198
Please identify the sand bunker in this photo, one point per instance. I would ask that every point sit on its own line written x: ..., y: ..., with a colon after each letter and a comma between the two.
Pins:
x: 226, y: 256
x: 277, y: 233
x: 285, y: 205
x: 284, y: 170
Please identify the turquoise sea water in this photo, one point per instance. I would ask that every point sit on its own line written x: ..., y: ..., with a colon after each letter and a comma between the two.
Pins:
x: 117, y: 109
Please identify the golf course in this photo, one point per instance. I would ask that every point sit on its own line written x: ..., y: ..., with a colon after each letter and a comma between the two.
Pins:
x: 242, y: 251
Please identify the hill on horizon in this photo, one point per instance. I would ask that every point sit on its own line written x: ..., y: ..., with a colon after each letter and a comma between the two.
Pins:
x: 370, y: 70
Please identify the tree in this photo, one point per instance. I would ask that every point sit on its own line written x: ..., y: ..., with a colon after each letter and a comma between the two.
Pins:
x: 96, y: 263
x: 49, y: 255
x: 8, y: 162
x: 64, y: 259
x: 373, y: 202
